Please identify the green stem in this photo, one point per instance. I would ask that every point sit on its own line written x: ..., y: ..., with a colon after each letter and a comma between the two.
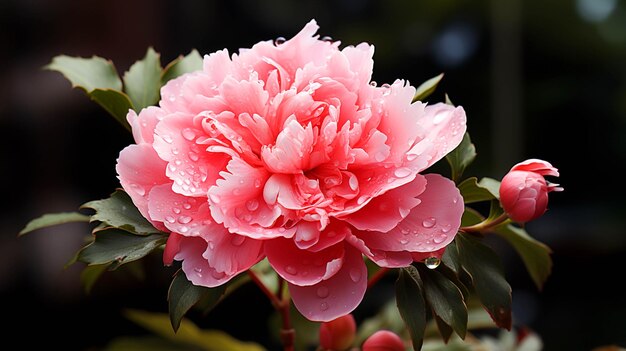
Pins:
x: 485, y: 225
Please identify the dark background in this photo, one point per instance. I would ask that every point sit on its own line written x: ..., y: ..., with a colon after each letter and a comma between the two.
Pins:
x: 544, y: 79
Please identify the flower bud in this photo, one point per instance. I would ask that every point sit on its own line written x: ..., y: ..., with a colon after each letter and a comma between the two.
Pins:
x: 524, y: 191
x: 383, y: 340
x: 338, y: 334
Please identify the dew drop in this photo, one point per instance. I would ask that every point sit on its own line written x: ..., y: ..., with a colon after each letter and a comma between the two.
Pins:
x: 183, y: 229
x: 322, y: 292
x: 455, y: 200
x: 171, y: 167
x: 353, y: 183
x: 211, y: 245
x: 176, y: 210
x: 170, y: 219
x: 327, y: 38
x: 188, y: 134
x: 446, y: 228
x: 257, y: 183
x: 323, y: 306
x: 172, y: 98
x: 386, y: 86
x: 411, y: 157
x: 403, y: 241
x: 404, y: 231
x: 380, y: 156
x: 279, y: 41
x: 187, y: 206
x: 373, y: 83
x: 175, y: 151
x: 291, y: 270
x: 429, y: 222
x: 439, y: 239
x: 198, y: 272
x: 439, y: 117
x: 432, y: 262
x: 355, y: 275
x: 193, y: 156
x: 361, y: 200
x: 218, y: 275
x: 167, y: 138
x: 184, y: 219
x: 178, y: 162
x: 402, y: 172
x: 237, y: 240
x: 252, y: 205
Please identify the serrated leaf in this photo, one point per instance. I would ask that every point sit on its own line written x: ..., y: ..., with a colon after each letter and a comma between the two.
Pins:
x: 182, y: 295
x: 189, y: 333
x: 115, y: 102
x: 52, y: 219
x: 143, y: 80
x: 181, y: 65
x: 118, y: 211
x: 427, y: 88
x: 485, y: 269
x: 535, y: 254
x: 411, y: 304
x: 492, y: 185
x: 87, y: 73
x: 461, y: 157
x: 90, y: 275
x: 472, y: 192
x: 119, y: 247
x: 445, y: 300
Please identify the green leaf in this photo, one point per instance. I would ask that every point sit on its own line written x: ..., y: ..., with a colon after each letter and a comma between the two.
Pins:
x: 470, y: 217
x: 147, y: 343
x: 143, y: 80
x: 190, y: 63
x: 485, y: 269
x: 89, y: 276
x: 495, y: 210
x: 118, y: 211
x: 118, y: 247
x: 445, y: 299
x: 444, y: 329
x: 52, y: 219
x: 492, y: 185
x: 189, y: 333
x: 461, y: 157
x: 448, y: 101
x: 472, y: 192
x: 411, y: 305
x: 87, y: 73
x: 182, y: 295
x: 427, y: 88
x: 450, y: 258
x: 535, y: 254
x: 115, y: 102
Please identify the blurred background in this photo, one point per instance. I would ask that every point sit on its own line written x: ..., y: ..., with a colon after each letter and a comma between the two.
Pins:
x: 543, y: 79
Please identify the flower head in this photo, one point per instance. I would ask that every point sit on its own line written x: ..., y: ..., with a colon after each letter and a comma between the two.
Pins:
x: 383, y: 340
x: 524, y: 191
x: 338, y: 334
x: 285, y: 151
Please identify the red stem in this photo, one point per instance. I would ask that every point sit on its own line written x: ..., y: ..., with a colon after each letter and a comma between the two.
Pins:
x: 376, y: 277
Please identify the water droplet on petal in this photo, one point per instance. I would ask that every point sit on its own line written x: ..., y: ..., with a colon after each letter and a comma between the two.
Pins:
x: 455, y: 200
x: 322, y: 292
x: 237, y: 240
x: 252, y: 205
x: 361, y: 199
x: 403, y: 241
x: 184, y: 219
x: 404, y: 231
x: 402, y: 172
x: 218, y: 275
x: 257, y: 183
x: 327, y: 38
x: 439, y: 239
x: 167, y: 138
x: 193, y: 156
x: 138, y: 189
x: 380, y: 156
x: 171, y: 167
x: 446, y: 228
x: 373, y: 83
x: 170, y: 219
x: 432, y: 262
x: 214, y: 198
x: 291, y: 270
x: 429, y: 222
x: 386, y: 86
x: 211, y: 245
x: 279, y: 41
x: 183, y: 229
x: 353, y: 182
x: 323, y: 306
x: 172, y: 98
x: 411, y: 157
x: 187, y: 206
x: 355, y: 275
x: 198, y: 272
x: 188, y: 134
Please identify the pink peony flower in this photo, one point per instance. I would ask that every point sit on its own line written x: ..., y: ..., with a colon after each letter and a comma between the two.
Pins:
x: 287, y: 152
x: 524, y: 191
x: 383, y: 340
x: 338, y: 334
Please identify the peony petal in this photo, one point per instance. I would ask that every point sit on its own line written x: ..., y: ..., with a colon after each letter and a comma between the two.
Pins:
x: 537, y: 166
x: 237, y: 201
x: 334, y: 233
x: 190, y: 166
x: 334, y: 297
x: 184, y: 215
x: 172, y: 247
x: 196, y: 267
x: 385, y: 211
x: 139, y: 169
x: 443, y: 127
x: 430, y: 226
x: 232, y: 253
x: 388, y: 259
x: 291, y: 152
x: 303, y: 267
x: 143, y: 125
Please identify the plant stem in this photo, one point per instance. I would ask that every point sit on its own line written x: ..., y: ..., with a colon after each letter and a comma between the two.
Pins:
x: 485, y: 225
x: 376, y: 277
x: 282, y: 304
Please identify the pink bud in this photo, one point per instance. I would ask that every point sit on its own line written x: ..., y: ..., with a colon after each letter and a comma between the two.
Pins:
x: 524, y: 191
x: 338, y: 334
x: 383, y: 340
